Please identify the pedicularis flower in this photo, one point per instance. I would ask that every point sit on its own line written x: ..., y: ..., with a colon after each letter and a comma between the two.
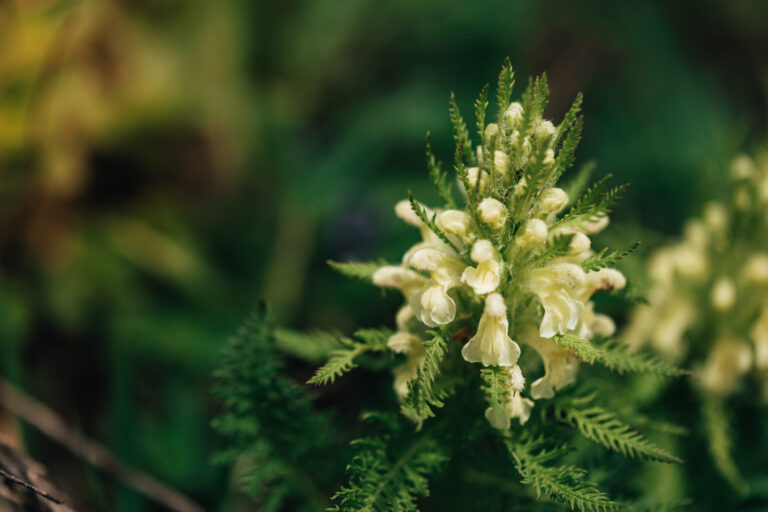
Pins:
x: 514, y: 266
x: 709, y: 292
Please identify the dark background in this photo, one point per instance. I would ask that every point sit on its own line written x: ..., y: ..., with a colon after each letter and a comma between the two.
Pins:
x: 166, y: 164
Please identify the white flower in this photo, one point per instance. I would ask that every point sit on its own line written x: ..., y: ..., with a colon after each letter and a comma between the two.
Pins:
x: 728, y: 361
x: 492, y: 212
x: 723, y: 294
x: 408, y: 371
x: 519, y: 188
x: 432, y: 304
x: 401, y: 278
x: 604, y: 279
x: 545, y: 129
x: 553, y: 200
x: 473, y: 175
x: 517, y: 406
x: 501, y: 161
x: 560, y: 366
x: 716, y: 217
x: 579, y: 243
x: 743, y: 168
x: 513, y: 114
x: 403, y: 341
x: 555, y: 285
x: 549, y: 157
x: 534, y: 234
x: 456, y: 223
x: 491, y: 131
x: 755, y: 269
x: 486, y: 277
x: 591, y: 227
x: 492, y: 345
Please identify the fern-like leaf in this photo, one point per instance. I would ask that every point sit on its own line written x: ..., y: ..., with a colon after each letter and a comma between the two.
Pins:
x: 606, y: 258
x: 391, y: 470
x: 720, y: 440
x: 357, y: 269
x: 342, y: 360
x: 460, y: 132
x: 603, y: 427
x: 439, y: 177
x: 270, y: 425
x: 616, y: 356
x: 504, y: 89
x: 565, y: 484
x: 423, y: 395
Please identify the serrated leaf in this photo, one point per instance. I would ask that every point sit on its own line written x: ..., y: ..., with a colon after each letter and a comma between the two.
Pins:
x: 616, y: 356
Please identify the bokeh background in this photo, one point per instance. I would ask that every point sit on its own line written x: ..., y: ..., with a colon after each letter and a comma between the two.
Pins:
x: 165, y: 164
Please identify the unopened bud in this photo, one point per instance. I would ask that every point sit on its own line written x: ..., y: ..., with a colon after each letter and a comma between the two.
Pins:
x: 492, y: 212
x: 534, y: 234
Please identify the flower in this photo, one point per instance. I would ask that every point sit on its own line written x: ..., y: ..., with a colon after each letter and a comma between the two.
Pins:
x: 492, y: 212
x: 486, y: 277
x: 432, y: 304
x: 534, y: 234
x: 554, y: 286
x: 492, y: 345
x: 728, y: 361
x: 400, y: 278
x: 560, y: 366
x: 723, y: 294
x: 455, y: 223
x: 553, y: 200
x: 500, y: 417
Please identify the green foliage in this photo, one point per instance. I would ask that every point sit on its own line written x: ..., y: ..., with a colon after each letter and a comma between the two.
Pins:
x: 481, y: 106
x: 606, y: 258
x: 423, y: 395
x: 504, y: 89
x: 430, y: 222
x: 720, y: 440
x: 312, y: 346
x: 496, y: 393
x: 439, y: 177
x: 595, y: 203
x: 565, y: 484
x: 604, y: 427
x: 616, y: 356
x: 269, y: 423
x: 389, y: 471
x: 358, y: 269
x: 343, y: 360
x: 460, y: 132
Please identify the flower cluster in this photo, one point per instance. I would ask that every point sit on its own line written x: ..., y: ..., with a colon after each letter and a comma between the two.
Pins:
x: 510, y: 264
x: 709, y: 292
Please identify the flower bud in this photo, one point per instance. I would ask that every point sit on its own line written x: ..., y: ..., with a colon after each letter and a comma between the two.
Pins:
x: 492, y: 212
x: 549, y: 157
x: 501, y: 161
x: 491, y: 131
x: 545, y: 129
x: 454, y: 222
x: 723, y: 294
x: 534, y: 234
x: 756, y: 269
x: 715, y: 217
x: 553, y: 200
x: 579, y: 243
x: 514, y: 114
x: 743, y: 168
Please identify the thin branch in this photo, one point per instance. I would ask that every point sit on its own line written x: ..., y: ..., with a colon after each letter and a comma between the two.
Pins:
x: 13, y: 478
x: 52, y: 425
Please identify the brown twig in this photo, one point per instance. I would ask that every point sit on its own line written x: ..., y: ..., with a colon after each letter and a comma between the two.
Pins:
x: 33, y: 488
x: 52, y: 425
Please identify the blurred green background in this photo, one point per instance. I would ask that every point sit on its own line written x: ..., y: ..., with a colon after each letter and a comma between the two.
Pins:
x: 165, y: 164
